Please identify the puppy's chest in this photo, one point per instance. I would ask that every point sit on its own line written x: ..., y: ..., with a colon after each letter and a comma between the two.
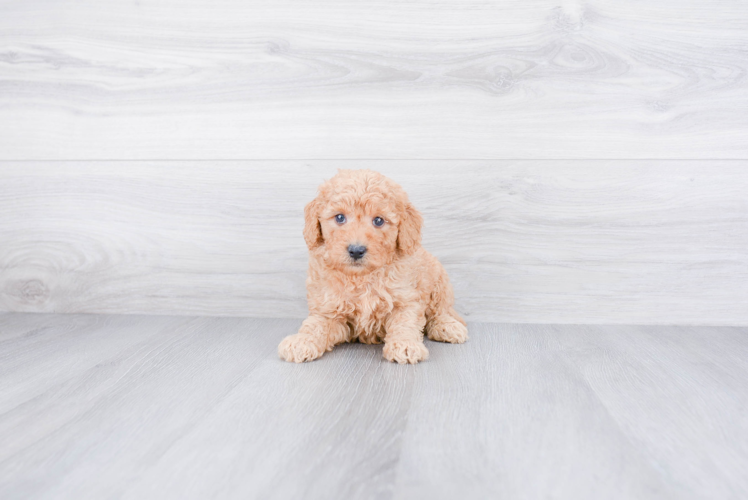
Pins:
x: 366, y: 308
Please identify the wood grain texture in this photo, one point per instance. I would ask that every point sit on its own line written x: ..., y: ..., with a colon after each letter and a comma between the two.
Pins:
x: 240, y: 79
x: 580, y: 411
x: 511, y: 417
x: 645, y: 379
x: 173, y: 407
x: 642, y: 242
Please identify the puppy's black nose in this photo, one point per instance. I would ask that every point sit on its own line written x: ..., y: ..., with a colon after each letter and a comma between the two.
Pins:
x: 356, y: 251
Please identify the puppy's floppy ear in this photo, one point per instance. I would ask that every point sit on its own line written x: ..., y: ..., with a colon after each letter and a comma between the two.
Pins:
x: 312, y: 229
x: 409, y: 230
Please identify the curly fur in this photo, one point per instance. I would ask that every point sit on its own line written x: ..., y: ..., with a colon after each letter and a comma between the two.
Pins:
x: 394, y: 294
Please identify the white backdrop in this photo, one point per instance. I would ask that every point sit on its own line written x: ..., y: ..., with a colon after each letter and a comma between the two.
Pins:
x: 575, y: 161
x: 528, y: 241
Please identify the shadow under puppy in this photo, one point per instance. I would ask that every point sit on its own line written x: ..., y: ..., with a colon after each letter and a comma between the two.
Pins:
x: 369, y: 278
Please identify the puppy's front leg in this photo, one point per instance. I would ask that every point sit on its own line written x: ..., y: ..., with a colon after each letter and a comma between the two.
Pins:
x: 316, y: 335
x: 403, y: 341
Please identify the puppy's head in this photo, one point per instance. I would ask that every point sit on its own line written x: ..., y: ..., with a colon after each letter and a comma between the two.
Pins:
x: 362, y: 221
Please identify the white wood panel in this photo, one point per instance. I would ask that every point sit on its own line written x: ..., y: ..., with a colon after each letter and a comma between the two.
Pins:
x: 158, y: 408
x: 242, y: 79
x: 660, y: 242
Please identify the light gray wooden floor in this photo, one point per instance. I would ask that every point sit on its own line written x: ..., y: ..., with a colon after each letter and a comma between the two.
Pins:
x: 107, y: 406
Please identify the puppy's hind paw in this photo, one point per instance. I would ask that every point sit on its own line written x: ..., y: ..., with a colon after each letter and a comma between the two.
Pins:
x: 447, y: 329
x: 298, y: 348
x: 405, y: 351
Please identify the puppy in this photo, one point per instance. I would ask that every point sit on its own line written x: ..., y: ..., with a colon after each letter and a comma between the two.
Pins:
x: 369, y: 278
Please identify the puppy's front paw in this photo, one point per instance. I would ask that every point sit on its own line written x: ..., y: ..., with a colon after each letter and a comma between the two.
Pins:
x: 403, y: 351
x: 447, y: 329
x: 298, y: 348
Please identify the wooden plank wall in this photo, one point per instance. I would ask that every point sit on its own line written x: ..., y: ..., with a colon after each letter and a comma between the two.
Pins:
x: 576, y: 162
x: 651, y: 241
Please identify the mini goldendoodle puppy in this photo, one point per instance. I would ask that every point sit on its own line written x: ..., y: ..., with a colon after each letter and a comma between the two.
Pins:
x: 369, y: 278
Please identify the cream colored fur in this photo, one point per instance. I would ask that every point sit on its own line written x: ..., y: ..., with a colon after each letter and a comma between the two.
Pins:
x: 393, y: 294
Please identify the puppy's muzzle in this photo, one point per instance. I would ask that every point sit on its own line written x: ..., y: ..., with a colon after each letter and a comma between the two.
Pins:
x: 356, y: 251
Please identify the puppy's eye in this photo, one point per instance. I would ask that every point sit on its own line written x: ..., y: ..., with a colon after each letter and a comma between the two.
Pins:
x: 378, y: 221
x: 340, y: 219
